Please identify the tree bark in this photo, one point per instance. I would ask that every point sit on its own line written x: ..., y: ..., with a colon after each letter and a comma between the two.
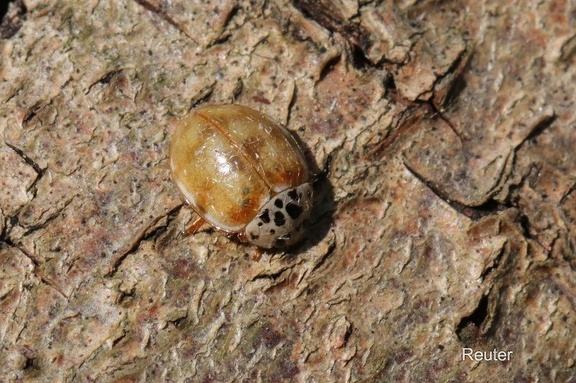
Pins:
x: 444, y: 231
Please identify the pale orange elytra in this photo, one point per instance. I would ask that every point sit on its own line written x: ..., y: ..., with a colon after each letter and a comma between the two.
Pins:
x: 242, y: 173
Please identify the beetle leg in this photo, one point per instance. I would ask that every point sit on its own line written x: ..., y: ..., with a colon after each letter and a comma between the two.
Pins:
x: 257, y: 254
x: 241, y: 236
x: 195, y: 226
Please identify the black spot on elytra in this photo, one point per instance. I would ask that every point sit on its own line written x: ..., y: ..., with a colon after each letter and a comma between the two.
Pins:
x: 293, y: 194
x: 265, y: 217
x: 279, y: 219
x: 278, y: 203
x: 293, y: 210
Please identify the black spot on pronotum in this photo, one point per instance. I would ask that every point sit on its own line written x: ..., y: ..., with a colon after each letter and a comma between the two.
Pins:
x: 265, y: 217
x: 293, y: 194
x: 279, y: 219
x: 293, y: 210
x: 278, y: 203
x: 254, y: 236
x: 272, y: 231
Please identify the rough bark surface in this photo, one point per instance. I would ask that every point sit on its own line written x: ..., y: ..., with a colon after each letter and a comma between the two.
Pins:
x: 447, y: 218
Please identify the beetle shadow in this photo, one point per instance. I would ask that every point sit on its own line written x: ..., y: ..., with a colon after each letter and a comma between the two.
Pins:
x: 321, y: 218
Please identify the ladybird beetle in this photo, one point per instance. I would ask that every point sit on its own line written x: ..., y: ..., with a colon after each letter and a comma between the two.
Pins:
x: 242, y: 173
